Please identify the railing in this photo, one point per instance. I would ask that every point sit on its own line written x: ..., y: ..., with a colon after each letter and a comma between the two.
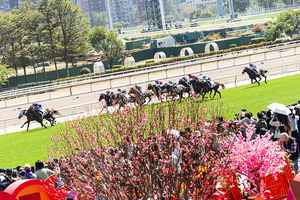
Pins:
x: 69, y: 83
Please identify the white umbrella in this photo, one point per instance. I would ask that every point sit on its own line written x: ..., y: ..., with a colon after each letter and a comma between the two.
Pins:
x: 279, y: 108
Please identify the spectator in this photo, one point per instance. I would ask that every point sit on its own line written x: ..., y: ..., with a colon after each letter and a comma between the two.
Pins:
x: 290, y: 145
x: 293, y: 120
x: 5, y: 181
x: 41, y: 171
x: 261, y: 127
x: 28, y: 174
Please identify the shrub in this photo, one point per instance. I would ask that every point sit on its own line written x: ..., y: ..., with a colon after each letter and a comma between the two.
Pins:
x: 214, y: 37
x: 150, y: 61
x: 258, y: 28
x: 117, y: 66
x: 137, y: 153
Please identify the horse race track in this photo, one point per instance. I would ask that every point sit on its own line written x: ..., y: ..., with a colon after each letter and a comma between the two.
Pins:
x: 20, y: 148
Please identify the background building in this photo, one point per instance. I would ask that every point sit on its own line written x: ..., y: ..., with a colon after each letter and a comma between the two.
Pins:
x: 122, y: 11
x: 9, y: 4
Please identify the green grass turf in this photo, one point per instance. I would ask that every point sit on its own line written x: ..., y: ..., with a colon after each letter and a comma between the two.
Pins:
x: 20, y: 148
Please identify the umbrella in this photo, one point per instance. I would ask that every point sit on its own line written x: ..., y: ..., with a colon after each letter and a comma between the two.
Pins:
x: 279, y: 108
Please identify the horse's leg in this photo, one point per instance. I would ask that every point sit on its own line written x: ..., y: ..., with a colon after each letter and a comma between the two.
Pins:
x: 203, y: 96
x: 251, y: 80
x: 24, y: 123
x: 28, y: 123
x: 259, y: 78
x: 219, y: 94
x: 257, y: 82
x: 42, y: 124
x: 265, y: 79
x: 180, y: 96
x: 215, y: 92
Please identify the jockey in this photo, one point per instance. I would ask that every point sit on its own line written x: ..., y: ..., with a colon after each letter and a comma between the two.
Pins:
x: 253, y: 67
x: 158, y: 82
x: 39, y: 108
x: 208, y: 80
x: 192, y: 77
x: 119, y: 91
x: 172, y: 83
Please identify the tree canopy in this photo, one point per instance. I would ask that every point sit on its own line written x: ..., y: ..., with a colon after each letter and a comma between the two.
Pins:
x: 286, y: 24
x: 108, y: 43
x: 4, y: 73
x: 241, y: 5
x: 42, y: 31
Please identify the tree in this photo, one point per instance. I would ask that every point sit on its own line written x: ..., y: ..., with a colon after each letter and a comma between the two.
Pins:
x: 241, y: 5
x: 201, y: 14
x: 50, y: 29
x: 287, y: 23
x: 267, y: 4
x: 4, y: 73
x: 73, y: 28
x: 108, y: 43
x: 99, y: 19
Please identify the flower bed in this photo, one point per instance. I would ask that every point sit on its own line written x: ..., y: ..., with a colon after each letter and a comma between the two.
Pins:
x: 140, y: 154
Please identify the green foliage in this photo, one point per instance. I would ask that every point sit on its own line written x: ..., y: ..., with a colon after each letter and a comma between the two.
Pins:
x: 42, y: 31
x: 241, y: 5
x: 202, y: 13
x: 4, y: 73
x: 108, y: 43
x: 99, y: 19
x: 267, y: 4
x: 287, y: 23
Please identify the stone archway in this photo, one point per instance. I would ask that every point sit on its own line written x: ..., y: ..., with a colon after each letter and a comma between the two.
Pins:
x: 159, y: 56
x: 129, y: 61
x: 213, y: 45
x: 188, y: 51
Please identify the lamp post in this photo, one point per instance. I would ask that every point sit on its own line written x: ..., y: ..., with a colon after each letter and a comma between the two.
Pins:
x: 231, y: 9
x: 108, y: 10
x: 162, y: 13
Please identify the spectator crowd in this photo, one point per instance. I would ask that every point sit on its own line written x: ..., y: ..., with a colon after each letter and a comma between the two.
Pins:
x: 39, y: 171
x: 283, y: 127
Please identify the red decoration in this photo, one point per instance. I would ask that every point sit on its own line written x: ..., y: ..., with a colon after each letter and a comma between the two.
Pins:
x: 278, y: 186
x: 5, y: 196
x: 34, y: 190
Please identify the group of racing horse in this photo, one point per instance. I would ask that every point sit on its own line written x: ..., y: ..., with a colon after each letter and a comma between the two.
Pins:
x: 191, y: 86
x: 185, y: 87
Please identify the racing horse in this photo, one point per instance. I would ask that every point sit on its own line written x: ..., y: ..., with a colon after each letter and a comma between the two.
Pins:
x: 204, y: 87
x: 254, y: 76
x: 120, y: 99
x: 188, y: 88
x: 108, y: 98
x: 213, y: 87
x: 138, y: 96
x: 33, y: 115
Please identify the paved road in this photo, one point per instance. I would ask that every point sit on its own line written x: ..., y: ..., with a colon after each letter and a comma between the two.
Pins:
x: 85, y: 103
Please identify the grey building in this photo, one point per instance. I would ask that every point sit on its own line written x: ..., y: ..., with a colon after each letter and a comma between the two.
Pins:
x: 9, y: 4
x: 122, y: 11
